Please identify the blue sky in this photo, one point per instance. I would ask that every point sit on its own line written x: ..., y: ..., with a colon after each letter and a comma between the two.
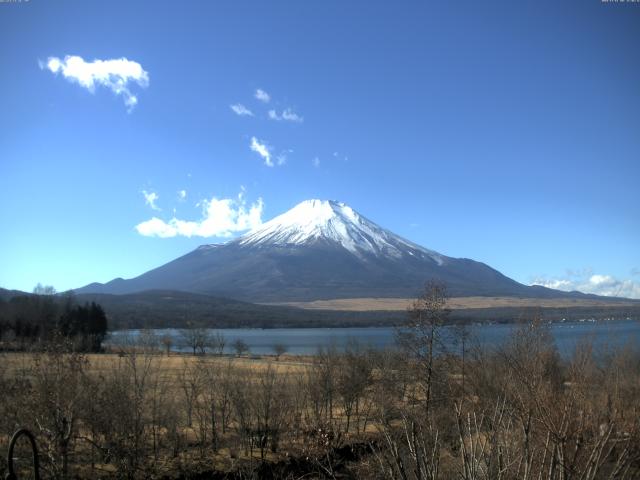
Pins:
x: 506, y: 132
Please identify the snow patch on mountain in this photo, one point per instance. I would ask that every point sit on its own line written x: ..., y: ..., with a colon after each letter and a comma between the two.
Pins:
x: 335, y: 222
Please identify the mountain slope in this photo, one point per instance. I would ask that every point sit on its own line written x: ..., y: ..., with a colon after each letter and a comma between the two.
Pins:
x: 320, y: 250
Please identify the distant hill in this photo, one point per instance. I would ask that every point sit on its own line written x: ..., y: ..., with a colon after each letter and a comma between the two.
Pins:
x: 175, y: 309
x: 6, y: 295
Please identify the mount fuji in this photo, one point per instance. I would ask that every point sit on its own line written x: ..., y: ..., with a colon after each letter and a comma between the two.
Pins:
x: 321, y: 250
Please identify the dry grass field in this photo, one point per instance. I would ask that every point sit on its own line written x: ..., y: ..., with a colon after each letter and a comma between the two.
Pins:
x: 454, y: 303
x: 172, y: 365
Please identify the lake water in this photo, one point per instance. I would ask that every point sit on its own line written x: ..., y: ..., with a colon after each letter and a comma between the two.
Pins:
x: 305, y: 341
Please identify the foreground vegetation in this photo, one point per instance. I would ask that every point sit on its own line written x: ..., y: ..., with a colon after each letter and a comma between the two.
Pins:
x: 418, y: 412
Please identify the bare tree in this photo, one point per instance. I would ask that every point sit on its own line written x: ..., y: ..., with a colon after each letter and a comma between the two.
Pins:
x: 190, y: 381
x: 167, y: 342
x: 197, y: 339
x: 273, y: 407
x: 241, y: 347
x: 279, y: 349
x: 391, y: 383
x: 353, y: 378
x: 240, y: 400
x: 411, y: 453
x: 148, y: 341
x: 322, y: 380
x: 158, y: 406
x: 212, y: 402
x: 120, y: 420
x: 40, y: 289
x: 262, y: 408
x: 218, y: 342
x: 224, y: 380
x: 55, y: 403
x: 422, y: 336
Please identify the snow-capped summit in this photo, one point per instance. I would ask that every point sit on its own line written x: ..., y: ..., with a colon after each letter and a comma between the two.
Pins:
x: 329, y: 221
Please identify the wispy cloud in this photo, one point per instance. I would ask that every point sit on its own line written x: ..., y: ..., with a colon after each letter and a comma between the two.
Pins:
x: 241, y: 110
x: 220, y: 218
x: 262, y: 149
x: 182, y: 195
x: 114, y: 74
x: 598, y: 284
x: 281, y: 158
x: 316, y: 162
x: 579, y: 273
x: 150, y: 199
x: 287, y: 115
x: 262, y: 95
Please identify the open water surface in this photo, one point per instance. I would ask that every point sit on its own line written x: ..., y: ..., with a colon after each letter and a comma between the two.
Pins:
x: 306, y: 341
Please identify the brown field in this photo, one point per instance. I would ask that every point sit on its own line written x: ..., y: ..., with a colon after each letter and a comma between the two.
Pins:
x: 174, y: 364
x: 455, y: 303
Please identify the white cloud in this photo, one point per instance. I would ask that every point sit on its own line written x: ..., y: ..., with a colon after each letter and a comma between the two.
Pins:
x: 286, y: 115
x: 241, y: 110
x: 115, y: 74
x: 555, y: 283
x: 156, y: 228
x: 262, y: 95
x: 150, y: 199
x: 316, y: 162
x: 220, y: 218
x: 291, y: 116
x: 263, y: 150
x: 597, y: 284
x: 602, y: 280
x: 182, y: 195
